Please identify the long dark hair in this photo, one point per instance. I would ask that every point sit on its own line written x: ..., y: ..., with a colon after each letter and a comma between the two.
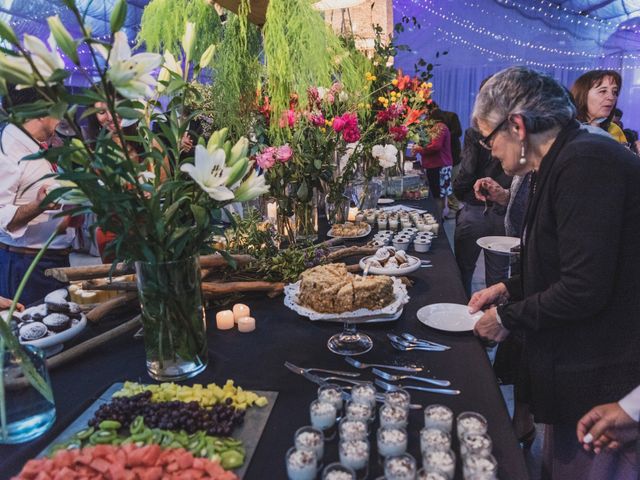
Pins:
x: 580, y: 91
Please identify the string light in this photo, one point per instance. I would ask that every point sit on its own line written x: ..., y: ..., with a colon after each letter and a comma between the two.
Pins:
x: 467, y: 24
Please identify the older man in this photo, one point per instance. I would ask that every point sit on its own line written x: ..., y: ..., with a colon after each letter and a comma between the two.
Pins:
x: 25, y: 224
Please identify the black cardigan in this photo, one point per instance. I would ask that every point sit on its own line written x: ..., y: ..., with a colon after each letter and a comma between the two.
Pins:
x: 578, y: 298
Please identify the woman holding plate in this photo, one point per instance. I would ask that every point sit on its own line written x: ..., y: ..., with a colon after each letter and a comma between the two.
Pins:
x: 576, y: 300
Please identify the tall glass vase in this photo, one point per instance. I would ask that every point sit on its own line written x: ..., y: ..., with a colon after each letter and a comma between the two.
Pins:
x: 26, y: 412
x: 300, y: 224
x: 175, y: 337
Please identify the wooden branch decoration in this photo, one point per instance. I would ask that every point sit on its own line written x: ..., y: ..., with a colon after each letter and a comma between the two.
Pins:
x: 349, y: 252
x: 218, y: 288
x: 105, y: 308
x: 100, y: 284
x: 69, y: 274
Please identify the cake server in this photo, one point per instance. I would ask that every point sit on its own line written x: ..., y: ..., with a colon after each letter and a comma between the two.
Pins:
x: 390, y: 388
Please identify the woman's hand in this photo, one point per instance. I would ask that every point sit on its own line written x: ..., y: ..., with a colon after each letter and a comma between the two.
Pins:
x: 493, y: 295
x: 5, y: 304
x: 489, y: 328
x: 488, y: 189
x: 606, y: 426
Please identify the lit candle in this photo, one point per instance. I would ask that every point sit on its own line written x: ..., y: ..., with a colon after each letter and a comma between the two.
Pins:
x: 353, y: 211
x: 246, y: 324
x: 272, y: 211
x: 240, y: 310
x: 224, y: 320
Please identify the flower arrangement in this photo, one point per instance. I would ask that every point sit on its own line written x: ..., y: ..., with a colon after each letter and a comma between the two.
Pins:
x: 161, y: 206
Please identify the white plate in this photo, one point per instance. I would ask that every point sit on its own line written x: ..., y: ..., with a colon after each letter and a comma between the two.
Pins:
x: 367, y: 232
x: 450, y: 317
x: 68, y: 334
x: 501, y: 245
x: 385, y: 201
x: 414, y: 265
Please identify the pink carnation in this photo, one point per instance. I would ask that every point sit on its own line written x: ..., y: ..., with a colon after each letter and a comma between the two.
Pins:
x: 284, y: 153
x: 338, y: 124
x: 288, y: 118
x: 267, y: 158
x: 351, y: 134
x: 317, y: 119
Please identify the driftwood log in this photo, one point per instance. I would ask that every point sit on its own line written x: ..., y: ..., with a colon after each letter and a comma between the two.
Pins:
x: 103, y: 309
x: 349, y: 252
x: 69, y: 274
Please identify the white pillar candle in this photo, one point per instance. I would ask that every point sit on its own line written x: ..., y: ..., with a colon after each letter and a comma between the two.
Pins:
x: 353, y: 211
x: 246, y: 324
x: 240, y: 310
x: 224, y: 320
x: 272, y: 211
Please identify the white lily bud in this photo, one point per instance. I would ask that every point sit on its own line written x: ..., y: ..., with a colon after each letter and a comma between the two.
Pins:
x: 63, y: 38
x: 207, y: 57
x: 189, y: 40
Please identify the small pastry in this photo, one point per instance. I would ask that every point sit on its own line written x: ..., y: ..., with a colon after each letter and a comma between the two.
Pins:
x: 401, y: 256
x: 56, y: 301
x: 404, y: 265
x: 33, y: 331
x: 57, y: 322
x: 382, y: 254
x: 34, y: 314
x: 74, y: 310
x: 391, y: 263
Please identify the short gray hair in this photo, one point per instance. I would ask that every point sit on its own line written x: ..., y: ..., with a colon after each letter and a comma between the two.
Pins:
x: 543, y: 103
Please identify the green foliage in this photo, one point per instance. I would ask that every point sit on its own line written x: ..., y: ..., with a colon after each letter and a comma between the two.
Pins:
x: 251, y: 235
x: 237, y: 73
x: 163, y: 24
x: 301, y: 51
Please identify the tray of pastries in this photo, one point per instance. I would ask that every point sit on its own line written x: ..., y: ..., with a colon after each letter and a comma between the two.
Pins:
x: 389, y: 261
x: 331, y: 293
x: 349, y: 230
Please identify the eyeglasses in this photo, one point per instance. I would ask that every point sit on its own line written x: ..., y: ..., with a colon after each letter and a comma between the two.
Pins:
x: 486, y: 142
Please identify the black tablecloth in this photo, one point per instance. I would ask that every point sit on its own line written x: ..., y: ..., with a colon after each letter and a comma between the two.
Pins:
x: 255, y: 361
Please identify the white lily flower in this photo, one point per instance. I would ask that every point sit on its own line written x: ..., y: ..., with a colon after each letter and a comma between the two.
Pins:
x: 46, y: 60
x: 170, y: 65
x: 209, y: 171
x: 189, y: 40
x: 321, y: 93
x: 252, y: 187
x: 343, y: 96
x: 146, y: 177
x: 16, y: 70
x: 130, y: 74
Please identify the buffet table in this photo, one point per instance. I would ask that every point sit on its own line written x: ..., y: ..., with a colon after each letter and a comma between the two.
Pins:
x: 256, y: 361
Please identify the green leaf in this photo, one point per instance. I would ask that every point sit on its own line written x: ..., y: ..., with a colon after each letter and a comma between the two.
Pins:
x: 126, y: 112
x: 7, y: 33
x: 58, y: 110
x: 303, y: 191
x: 199, y: 215
x: 58, y: 76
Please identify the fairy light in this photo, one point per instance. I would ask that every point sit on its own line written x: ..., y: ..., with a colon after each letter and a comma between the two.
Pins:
x: 470, y: 26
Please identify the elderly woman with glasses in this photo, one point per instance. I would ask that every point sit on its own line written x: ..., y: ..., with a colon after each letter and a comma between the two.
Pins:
x: 576, y: 301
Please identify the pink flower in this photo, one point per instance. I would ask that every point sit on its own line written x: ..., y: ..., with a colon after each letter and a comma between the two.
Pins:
x: 317, y: 119
x: 284, y: 153
x: 267, y: 158
x: 288, y: 118
x: 336, y: 88
x: 313, y: 95
x: 329, y: 98
x: 399, y: 133
x: 338, y: 124
x: 351, y: 134
x: 351, y: 119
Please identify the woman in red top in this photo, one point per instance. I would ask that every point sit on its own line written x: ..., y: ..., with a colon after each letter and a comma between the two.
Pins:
x: 436, y: 158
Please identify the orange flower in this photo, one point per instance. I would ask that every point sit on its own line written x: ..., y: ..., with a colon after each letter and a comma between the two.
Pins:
x: 413, y: 115
x: 403, y: 81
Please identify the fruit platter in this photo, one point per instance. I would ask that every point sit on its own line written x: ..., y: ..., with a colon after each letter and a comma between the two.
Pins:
x: 166, y: 431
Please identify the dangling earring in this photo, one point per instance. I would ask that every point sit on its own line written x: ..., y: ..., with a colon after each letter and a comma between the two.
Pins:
x: 523, y: 159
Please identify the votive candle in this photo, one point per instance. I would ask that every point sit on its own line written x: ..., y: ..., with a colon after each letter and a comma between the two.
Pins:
x: 240, y: 310
x: 224, y: 320
x: 246, y: 324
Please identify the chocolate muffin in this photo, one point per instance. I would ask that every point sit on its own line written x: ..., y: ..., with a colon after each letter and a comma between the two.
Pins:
x: 57, y: 322
x: 75, y: 312
x: 34, y: 314
x: 56, y: 301
x: 33, y: 331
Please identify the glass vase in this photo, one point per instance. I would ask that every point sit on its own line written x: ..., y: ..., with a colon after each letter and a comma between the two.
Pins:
x: 300, y: 224
x: 25, y: 411
x: 364, y: 193
x: 173, y: 319
x: 337, y: 212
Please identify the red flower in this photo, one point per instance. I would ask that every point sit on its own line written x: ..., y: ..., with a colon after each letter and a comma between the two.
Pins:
x: 399, y: 133
x: 351, y: 134
x: 338, y: 124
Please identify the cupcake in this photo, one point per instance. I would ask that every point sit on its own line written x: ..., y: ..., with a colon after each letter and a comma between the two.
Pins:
x: 75, y: 311
x: 56, y: 301
x: 33, y: 331
x: 34, y: 314
x: 57, y: 322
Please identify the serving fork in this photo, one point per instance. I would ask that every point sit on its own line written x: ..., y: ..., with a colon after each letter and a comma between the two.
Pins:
x: 394, y: 378
x: 362, y: 365
x: 392, y: 388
